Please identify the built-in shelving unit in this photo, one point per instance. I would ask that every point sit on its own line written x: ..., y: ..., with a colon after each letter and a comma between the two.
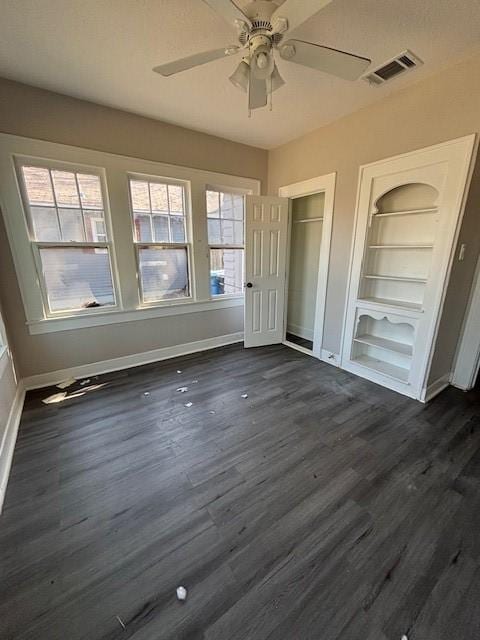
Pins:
x: 395, y: 271
x: 407, y: 212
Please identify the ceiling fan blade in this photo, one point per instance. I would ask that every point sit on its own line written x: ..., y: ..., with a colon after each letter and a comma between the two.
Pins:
x: 338, y: 63
x: 194, y: 61
x: 229, y: 11
x: 257, y: 92
x: 296, y: 13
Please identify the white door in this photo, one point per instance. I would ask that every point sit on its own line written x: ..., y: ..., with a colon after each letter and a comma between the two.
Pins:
x: 265, y: 269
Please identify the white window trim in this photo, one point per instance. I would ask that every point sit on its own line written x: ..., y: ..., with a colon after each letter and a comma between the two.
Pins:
x: 21, y: 160
x: 116, y: 169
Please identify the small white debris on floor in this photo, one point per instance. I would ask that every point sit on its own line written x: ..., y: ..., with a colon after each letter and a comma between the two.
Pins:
x: 404, y: 637
x: 182, y: 389
x: 188, y: 404
x: 179, y: 371
x: 66, y: 383
x: 244, y: 395
x: 194, y: 381
x: 86, y: 381
x: 57, y: 397
x: 212, y: 412
x: 146, y: 393
x: 181, y: 593
x: 121, y: 621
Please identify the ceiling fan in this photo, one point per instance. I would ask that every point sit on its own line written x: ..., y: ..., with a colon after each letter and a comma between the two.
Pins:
x: 262, y: 27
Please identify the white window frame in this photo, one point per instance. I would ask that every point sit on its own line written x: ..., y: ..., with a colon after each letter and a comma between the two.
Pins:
x: 231, y: 191
x: 21, y: 161
x: 187, y: 244
x: 115, y: 170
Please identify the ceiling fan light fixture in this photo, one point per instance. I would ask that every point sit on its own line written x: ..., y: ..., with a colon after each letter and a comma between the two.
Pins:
x: 239, y: 77
x: 262, y: 63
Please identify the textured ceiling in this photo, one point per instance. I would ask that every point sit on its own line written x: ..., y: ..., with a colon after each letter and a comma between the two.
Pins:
x: 104, y: 50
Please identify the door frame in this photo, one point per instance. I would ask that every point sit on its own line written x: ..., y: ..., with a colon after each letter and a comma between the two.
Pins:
x: 321, y: 184
x: 467, y: 358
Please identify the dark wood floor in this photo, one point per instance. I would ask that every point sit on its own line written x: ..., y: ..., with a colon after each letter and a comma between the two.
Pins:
x: 320, y: 507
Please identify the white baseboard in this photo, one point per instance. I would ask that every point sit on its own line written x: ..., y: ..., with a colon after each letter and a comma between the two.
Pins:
x: 9, y: 439
x: 301, y: 332
x: 126, y: 362
x: 330, y: 358
x: 435, y: 388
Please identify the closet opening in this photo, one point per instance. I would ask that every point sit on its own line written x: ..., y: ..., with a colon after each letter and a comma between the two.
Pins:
x: 305, y: 239
x: 307, y: 262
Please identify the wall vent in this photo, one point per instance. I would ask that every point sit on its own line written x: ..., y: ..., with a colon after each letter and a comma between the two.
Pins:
x: 406, y: 61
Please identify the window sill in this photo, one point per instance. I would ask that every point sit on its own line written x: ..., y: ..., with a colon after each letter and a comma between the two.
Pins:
x: 66, y: 323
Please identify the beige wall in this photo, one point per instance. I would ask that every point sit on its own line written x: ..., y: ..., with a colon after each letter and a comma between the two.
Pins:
x: 440, y: 108
x: 8, y: 386
x: 36, y: 113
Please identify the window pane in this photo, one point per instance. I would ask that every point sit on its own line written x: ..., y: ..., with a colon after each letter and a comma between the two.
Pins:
x: 164, y: 273
x: 227, y: 232
x: 238, y: 207
x: 214, y: 235
x: 71, y: 223
x: 159, y: 197
x: 65, y: 187
x: 143, y: 230
x: 38, y: 185
x: 226, y: 271
x: 175, y: 196
x: 95, y: 226
x: 160, y: 226
x: 45, y: 224
x: 177, y: 225
x: 90, y: 191
x: 238, y: 232
x: 213, y: 206
x: 77, y: 278
x: 139, y: 194
x: 226, y: 205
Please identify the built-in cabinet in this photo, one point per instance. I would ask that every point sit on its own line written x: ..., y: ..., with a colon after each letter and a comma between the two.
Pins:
x: 407, y: 218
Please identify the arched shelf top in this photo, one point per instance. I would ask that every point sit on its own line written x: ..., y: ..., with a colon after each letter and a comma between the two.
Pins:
x: 414, y: 197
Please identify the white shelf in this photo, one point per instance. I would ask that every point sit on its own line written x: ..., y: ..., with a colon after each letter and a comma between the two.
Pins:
x: 384, y: 368
x: 372, y: 276
x: 407, y: 212
x: 400, y: 246
x: 396, y: 304
x: 386, y: 344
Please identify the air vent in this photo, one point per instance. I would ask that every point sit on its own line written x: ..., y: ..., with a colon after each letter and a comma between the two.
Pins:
x: 406, y: 61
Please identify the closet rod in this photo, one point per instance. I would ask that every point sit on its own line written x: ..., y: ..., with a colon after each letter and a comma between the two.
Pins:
x: 307, y: 220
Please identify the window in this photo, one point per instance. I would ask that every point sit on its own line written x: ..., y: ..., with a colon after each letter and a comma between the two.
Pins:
x: 159, y: 221
x: 68, y: 232
x: 225, y: 219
